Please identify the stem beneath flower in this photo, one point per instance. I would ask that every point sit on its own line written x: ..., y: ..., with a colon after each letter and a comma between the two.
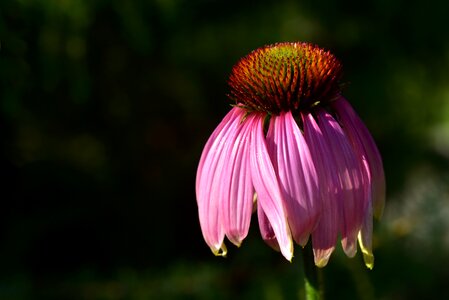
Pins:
x: 312, y: 276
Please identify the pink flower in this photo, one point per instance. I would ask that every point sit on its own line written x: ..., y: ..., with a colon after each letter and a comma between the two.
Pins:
x: 294, y: 149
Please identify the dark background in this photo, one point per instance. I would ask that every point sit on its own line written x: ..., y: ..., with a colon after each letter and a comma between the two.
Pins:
x: 105, y: 108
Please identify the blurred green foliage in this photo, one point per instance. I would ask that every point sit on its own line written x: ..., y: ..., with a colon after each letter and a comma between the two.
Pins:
x: 105, y: 107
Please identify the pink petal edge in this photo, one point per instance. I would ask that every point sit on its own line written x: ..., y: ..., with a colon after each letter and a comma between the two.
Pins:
x: 266, y: 184
x: 238, y: 191
x: 209, y: 182
x: 325, y: 235
x: 350, y: 172
x: 358, y: 130
x: 297, y: 176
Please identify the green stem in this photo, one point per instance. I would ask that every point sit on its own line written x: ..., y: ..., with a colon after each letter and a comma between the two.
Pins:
x: 312, y: 276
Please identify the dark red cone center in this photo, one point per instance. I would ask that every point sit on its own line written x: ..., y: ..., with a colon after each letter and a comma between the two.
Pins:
x: 285, y: 77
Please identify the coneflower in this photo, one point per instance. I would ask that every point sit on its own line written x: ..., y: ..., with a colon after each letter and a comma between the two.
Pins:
x: 294, y: 148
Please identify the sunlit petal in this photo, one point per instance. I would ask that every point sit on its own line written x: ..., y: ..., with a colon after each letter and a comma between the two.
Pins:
x: 365, y: 238
x: 267, y: 187
x: 298, y: 179
x: 209, y: 181
x: 325, y: 235
x: 350, y: 196
x: 237, y: 194
x: 359, y: 134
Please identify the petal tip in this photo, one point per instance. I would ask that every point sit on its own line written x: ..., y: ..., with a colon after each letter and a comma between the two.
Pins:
x: 321, y: 263
x: 368, y: 258
x: 367, y: 252
x: 287, y: 252
x: 349, y: 247
x: 236, y: 241
x: 322, y: 256
x: 220, y: 251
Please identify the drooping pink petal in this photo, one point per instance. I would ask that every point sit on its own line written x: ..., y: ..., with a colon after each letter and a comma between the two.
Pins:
x: 325, y: 234
x: 238, y: 191
x: 359, y: 134
x: 266, y: 184
x: 209, y: 181
x: 218, y: 133
x: 374, y: 182
x: 297, y: 176
x: 266, y: 230
x: 351, y: 197
x: 361, y: 157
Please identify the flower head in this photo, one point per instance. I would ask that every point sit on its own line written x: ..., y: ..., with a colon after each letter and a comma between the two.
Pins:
x: 293, y: 148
